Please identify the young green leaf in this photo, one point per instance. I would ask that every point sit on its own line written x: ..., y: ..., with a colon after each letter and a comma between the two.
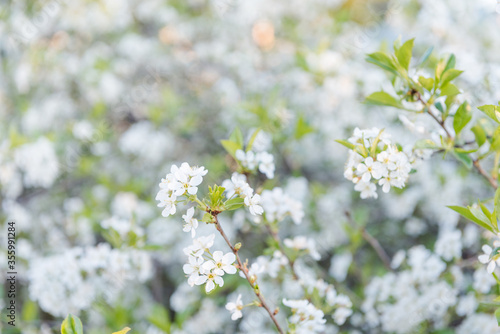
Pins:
x: 425, y: 56
x: 449, y: 75
x: 234, y: 203
x: 479, y: 133
x: 237, y: 137
x: 252, y: 139
x: 465, y: 212
x: 495, y: 142
x: 480, y: 214
x: 383, y: 99
x: 230, y: 146
x: 302, y: 128
x: 71, y: 325
x: 449, y: 90
x: 374, y: 145
x: 450, y: 63
x: 497, y: 206
x: 403, y: 54
x: 439, y: 70
x: 462, y: 117
x: 347, y: 144
x: 464, y: 158
x: 207, y: 218
x: 492, y: 111
x: 125, y: 331
x: 382, y: 60
x: 427, y: 83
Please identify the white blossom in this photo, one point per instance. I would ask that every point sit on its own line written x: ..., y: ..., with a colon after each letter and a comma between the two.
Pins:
x: 191, y: 223
x: 235, y: 308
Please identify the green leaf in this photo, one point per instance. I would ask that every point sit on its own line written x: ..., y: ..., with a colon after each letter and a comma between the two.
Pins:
x: 252, y: 139
x: 71, y: 325
x: 403, y: 54
x: 374, y: 144
x: 383, y: 99
x: 449, y: 75
x: 439, y: 70
x: 461, y: 150
x: 426, y: 56
x: 464, y: 158
x: 123, y: 331
x: 230, y: 146
x: 234, y: 203
x: 216, y: 194
x: 449, y: 90
x: 382, y: 60
x: 160, y: 318
x: 465, y: 212
x: 426, y: 144
x: 462, y: 117
x: 485, y: 210
x: 451, y: 63
x: 302, y: 128
x: 492, y: 111
x: 495, y: 142
x: 497, y: 315
x: 497, y: 206
x: 479, y: 133
x: 481, y: 214
x: 439, y: 106
x: 347, y: 144
x: 427, y: 83
x: 207, y: 218
x: 237, y: 137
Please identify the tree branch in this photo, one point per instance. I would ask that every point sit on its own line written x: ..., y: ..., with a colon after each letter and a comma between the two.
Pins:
x: 251, y: 281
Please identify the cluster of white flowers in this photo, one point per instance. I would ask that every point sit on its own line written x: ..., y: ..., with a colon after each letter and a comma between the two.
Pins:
x: 303, y: 243
x: 449, y: 244
x: 206, y: 267
x: 238, y: 186
x: 72, y: 281
x: 419, y: 291
x: 180, y: 181
x: 278, y: 205
x: 341, y: 302
x: 390, y: 167
x: 38, y: 161
x: 251, y: 160
x: 306, y: 318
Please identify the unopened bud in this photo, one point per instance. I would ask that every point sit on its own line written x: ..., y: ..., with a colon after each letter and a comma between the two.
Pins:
x: 276, y: 311
x: 237, y: 246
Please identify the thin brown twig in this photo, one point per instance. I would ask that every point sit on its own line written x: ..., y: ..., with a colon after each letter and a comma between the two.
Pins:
x: 251, y: 281
x: 439, y: 121
x: 382, y: 254
x: 484, y: 173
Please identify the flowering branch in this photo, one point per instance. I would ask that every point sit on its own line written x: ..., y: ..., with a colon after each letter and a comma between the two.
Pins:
x: 475, y: 162
x: 250, y: 280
